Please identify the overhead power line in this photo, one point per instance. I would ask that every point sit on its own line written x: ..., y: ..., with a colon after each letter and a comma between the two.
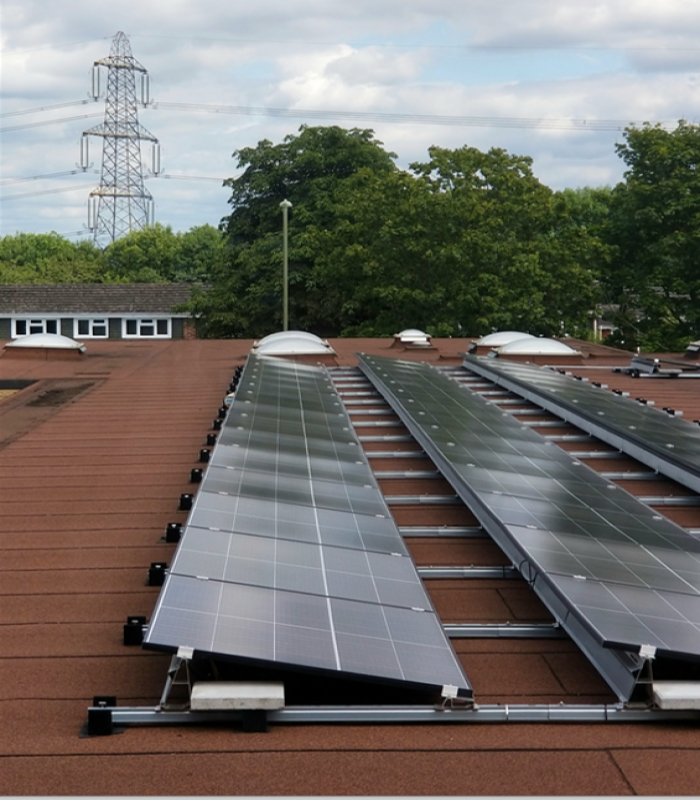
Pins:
x: 45, y: 191
x: 9, y: 181
x: 427, y: 45
x: 414, y: 119
x: 38, y: 109
x: 187, y: 177
x: 39, y: 192
x: 47, y: 122
x: 532, y: 123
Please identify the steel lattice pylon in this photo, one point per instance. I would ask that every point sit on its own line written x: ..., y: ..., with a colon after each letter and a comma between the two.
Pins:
x: 121, y: 203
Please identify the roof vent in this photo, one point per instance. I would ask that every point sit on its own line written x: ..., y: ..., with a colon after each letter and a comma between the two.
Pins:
x: 413, y: 336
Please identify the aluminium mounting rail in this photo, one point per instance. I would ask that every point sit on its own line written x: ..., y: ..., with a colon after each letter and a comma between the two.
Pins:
x: 393, y: 714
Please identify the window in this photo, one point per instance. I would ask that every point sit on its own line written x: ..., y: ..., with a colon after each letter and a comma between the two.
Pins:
x: 23, y: 327
x: 147, y: 328
x: 94, y: 328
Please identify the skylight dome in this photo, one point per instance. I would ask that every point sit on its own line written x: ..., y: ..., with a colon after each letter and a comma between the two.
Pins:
x: 533, y: 346
x: 47, y: 341
x: 273, y: 337
x: 292, y: 343
x: 500, y: 338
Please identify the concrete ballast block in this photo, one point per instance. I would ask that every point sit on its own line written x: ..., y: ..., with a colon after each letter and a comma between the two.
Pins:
x: 677, y: 695
x: 236, y: 695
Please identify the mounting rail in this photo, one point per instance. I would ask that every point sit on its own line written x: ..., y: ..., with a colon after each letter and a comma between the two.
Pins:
x: 115, y: 716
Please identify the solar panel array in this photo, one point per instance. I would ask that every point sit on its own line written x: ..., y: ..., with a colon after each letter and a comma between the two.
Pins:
x: 614, y: 573
x: 662, y: 441
x: 290, y: 555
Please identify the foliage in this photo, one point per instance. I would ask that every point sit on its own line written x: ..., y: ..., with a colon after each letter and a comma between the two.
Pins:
x: 153, y: 255
x: 305, y: 169
x: 467, y: 242
x: 654, y: 227
x: 49, y: 258
x: 157, y: 255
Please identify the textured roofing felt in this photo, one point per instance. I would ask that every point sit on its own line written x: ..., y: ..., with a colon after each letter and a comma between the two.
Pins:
x: 98, y: 298
x: 93, y: 458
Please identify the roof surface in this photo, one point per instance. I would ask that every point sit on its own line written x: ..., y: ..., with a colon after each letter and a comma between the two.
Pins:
x: 96, y: 298
x: 94, y: 456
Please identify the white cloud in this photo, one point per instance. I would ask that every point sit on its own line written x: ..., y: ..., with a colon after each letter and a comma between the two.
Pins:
x: 632, y: 60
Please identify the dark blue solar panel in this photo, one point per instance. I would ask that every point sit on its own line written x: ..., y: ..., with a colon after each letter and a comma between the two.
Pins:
x: 574, y: 534
x: 664, y: 442
x: 290, y: 554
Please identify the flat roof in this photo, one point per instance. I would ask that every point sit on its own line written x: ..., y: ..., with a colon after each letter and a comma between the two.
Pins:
x: 94, y: 456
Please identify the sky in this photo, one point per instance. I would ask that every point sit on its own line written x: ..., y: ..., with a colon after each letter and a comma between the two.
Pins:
x: 556, y: 80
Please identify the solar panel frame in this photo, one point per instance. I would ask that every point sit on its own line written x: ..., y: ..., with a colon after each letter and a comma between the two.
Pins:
x: 290, y: 557
x: 560, y: 532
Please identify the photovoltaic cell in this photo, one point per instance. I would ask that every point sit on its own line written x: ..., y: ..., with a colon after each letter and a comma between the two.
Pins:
x: 290, y: 555
x: 603, y: 561
x: 664, y: 442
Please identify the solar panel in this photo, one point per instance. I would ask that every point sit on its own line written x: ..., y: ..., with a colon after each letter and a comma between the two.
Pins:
x: 615, y: 574
x: 290, y: 555
x: 663, y: 442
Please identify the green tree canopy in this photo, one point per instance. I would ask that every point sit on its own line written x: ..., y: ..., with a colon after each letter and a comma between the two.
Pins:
x: 157, y: 254
x: 305, y: 169
x: 465, y: 243
x: 653, y: 279
x: 49, y: 258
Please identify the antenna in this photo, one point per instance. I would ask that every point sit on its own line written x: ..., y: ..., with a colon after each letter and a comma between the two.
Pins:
x: 120, y: 204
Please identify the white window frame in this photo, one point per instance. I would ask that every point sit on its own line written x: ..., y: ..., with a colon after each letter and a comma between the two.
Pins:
x: 32, y: 321
x: 144, y: 322
x: 92, y: 322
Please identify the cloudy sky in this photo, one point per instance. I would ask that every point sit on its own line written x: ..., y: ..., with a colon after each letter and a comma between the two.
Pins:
x: 553, y: 79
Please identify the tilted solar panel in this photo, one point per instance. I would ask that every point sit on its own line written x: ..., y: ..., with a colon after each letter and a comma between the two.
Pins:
x: 663, y: 442
x: 616, y: 575
x: 290, y: 556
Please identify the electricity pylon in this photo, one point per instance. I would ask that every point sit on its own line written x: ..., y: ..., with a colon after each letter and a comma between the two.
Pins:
x: 121, y: 203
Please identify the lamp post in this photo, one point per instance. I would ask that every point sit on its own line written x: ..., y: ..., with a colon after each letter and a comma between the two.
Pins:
x: 285, y: 205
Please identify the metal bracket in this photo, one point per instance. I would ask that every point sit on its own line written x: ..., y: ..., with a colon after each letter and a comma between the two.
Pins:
x: 645, y: 677
x: 452, y: 701
x: 178, y: 663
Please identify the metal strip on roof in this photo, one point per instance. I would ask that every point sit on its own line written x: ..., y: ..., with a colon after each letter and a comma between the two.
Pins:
x: 618, y: 577
x: 290, y: 555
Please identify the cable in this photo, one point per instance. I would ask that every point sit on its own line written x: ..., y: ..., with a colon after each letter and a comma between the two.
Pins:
x: 46, y: 108
x: 414, y: 45
x: 187, y: 178
x: 49, y: 46
x: 46, y: 191
x: 9, y: 181
x: 416, y: 119
x: 417, y: 45
x: 49, y: 122
x: 532, y: 123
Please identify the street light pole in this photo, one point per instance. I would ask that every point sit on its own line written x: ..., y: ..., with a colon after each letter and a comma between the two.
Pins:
x: 285, y: 205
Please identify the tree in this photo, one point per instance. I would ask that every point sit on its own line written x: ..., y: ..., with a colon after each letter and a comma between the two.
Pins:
x: 654, y: 227
x: 157, y: 254
x: 466, y: 242
x: 305, y: 169
x: 49, y: 258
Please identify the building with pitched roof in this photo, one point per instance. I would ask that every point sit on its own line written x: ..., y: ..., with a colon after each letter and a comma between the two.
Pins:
x: 96, y: 310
